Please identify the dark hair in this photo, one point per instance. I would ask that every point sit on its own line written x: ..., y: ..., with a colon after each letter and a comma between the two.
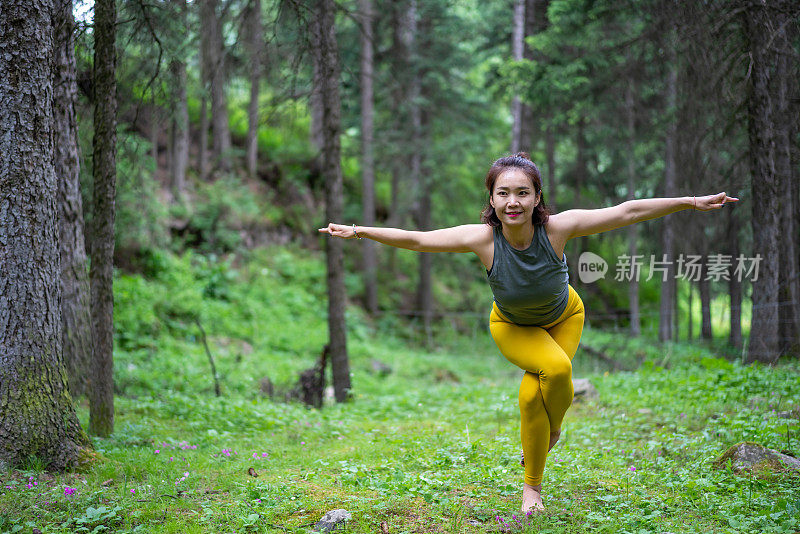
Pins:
x: 521, y: 161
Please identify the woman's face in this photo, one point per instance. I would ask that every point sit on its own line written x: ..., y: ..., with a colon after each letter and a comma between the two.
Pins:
x: 514, y: 198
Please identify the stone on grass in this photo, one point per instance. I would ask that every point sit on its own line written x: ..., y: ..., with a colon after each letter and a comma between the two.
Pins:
x: 379, y: 368
x: 333, y: 520
x: 749, y: 456
x: 583, y: 389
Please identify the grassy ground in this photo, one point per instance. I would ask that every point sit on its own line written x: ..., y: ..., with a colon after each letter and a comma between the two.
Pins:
x: 431, y: 447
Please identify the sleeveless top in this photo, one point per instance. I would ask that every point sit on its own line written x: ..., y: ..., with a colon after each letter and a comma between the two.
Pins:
x: 530, y: 286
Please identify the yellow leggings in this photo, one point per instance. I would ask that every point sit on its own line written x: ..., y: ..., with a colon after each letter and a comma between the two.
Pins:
x: 545, y: 354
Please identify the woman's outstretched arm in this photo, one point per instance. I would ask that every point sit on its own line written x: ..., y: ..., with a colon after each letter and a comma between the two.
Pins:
x: 576, y: 223
x: 465, y: 238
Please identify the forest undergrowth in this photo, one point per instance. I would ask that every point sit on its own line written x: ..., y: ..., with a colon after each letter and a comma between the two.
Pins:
x: 428, y: 443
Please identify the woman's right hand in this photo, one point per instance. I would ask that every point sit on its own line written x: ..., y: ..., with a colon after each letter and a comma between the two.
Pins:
x: 339, y: 230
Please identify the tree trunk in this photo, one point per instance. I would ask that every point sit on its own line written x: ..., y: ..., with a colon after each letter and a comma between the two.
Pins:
x: 667, y: 309
x: 517, y: 44
x: 370, y: 259
x: 154, y: 136
x: 705, y: 301
x: 789, y: 275
x: 180, y: 130
x: 734, y: 284
x: 550, y: 154
x: 203, y: 151
x: 214, y: 71
x: 765, y: 163
x: 104, y: 155
x: 326, y: 62
x: 633, y: 234
x: 256, y: 42
x: 36, y: 413
x: 75, y: 312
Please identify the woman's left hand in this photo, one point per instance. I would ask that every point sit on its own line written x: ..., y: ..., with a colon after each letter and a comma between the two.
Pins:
x: 712, y: 202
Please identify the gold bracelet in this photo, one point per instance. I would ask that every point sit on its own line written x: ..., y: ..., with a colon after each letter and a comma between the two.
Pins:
x: 354, y: 231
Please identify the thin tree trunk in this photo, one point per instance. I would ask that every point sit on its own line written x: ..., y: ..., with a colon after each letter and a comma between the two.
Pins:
x: 215, y: 66
x: 256, y: 44
x: 765, y: 155
x: 368, y: 162
x: 154, y: 136
x: 203, y: 151
x: 667, y: 309
x: 75, y: 298
x: 705, y: 302
x: 326, y: 61
x: 550, y: 154
x: 36, y: 413
x: 101, y: 399
x: 734, y: 283
x: 690, y: 328
x: 180, y: 130
x: 517, y: 44
x: 633, y: 234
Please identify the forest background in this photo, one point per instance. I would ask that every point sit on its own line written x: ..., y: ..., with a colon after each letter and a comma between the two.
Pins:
x: 229, y: 121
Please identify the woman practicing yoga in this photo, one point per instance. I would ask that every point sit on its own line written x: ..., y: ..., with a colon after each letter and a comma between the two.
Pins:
x: 537, y: 317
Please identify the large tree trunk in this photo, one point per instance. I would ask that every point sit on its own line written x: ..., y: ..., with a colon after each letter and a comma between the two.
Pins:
x: 517, y: 44
x: 766, y: 152
x: 633, y: 234
x: 550, y: 154
x: 214, y: 74
x: 370, y: 259
x: 326, y: 61
x: 203, y: 141
x: 75, y: 313
x: 789, y: 275
x: 180, y: 127
x: 104, y: 156
x: 36, y: 413
x: 256, y: 42
x: 667, y: 310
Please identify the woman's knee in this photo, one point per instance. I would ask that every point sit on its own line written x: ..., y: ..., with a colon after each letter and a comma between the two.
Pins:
x: 559, y: 370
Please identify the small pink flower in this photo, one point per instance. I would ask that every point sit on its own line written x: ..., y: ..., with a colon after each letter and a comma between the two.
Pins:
x: 633, y: 468
x: 133, y: 491
x: 302, y: 442
x: 157, y: 451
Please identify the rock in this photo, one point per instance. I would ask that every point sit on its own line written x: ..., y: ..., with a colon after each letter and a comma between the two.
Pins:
x: 379, y: 368
x: 583, y: 389
x: 333, y: 520
x: 749, y: 456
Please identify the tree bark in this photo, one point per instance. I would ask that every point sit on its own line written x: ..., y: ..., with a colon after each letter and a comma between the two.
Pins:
x: 370, y: 259
x: 633, y: 234
x: 550, y: 154
x: 734, y: 284
x: 104, y: 155
x: 75, y: 312
x: 517, y: 44
x: 256, y: 42
x: 705, y: 302
x: 214, y: 73
x: 765, y: 155
x: 36, y: 413
x: 667, y: 310
x: 203, y: 150
x: 180, y: 130
x: 789, y: 271
x: 326, y: 62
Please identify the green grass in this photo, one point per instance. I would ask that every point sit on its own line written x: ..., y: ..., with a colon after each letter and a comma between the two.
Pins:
x: 431, y: 447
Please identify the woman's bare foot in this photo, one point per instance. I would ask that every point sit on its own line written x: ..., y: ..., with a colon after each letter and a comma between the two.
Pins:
x: 531, y: 498
x: 554, y: 439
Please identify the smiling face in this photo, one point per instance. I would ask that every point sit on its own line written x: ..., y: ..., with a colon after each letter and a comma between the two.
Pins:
x: 514, y: 197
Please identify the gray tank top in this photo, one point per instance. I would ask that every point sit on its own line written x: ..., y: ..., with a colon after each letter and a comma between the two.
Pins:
x: 530, y: 286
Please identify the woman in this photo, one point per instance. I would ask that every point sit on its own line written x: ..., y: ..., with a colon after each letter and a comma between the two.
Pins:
x: 537, y: 317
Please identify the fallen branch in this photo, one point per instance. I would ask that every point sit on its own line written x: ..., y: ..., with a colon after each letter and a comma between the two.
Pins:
x: 210, y: 357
